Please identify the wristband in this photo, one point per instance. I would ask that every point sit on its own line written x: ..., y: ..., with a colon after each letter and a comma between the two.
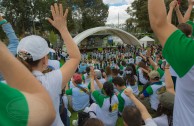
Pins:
x: 3, y: 22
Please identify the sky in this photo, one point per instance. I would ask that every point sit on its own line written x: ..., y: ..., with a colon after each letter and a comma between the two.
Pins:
x: 117, y: 8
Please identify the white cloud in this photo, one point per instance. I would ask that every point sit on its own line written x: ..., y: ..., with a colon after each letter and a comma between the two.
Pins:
x: 115, y: 12
x: 117, y: 6
x: 117, y: 1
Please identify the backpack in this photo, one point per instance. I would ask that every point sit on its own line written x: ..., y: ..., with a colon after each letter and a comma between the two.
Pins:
x: 83, y: 117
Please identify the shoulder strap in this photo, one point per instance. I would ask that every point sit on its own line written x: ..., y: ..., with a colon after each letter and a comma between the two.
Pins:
x: 84, y: 90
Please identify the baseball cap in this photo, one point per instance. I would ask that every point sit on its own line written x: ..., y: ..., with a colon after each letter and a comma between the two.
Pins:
x: 35, y: 45
x: 98, y: 73
x: 167, y: 100
x: 77, y: 77
x: 154, y: 74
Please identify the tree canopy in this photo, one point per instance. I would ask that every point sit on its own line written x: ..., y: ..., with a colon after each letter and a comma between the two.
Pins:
x: 30, y: 16
x: 139, y: 24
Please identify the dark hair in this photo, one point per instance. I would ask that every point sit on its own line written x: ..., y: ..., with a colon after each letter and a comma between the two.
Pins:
x: 133, y: 67
x: 130, y: 78
x: 143, y: 65
x: 123, y: 63
x: 115, y: 72
x: 185, y: 28
x: 29, y: 63
x: 118, y: 81
x: 88, y: 70
x: 93, y: 122
x: 109, y: 90
x: 132, y: 116
x: 163, y: 110
x: 108, y: 70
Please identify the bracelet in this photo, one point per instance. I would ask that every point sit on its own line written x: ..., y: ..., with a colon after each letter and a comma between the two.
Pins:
x: 166, y: 68
x: 3, y: 22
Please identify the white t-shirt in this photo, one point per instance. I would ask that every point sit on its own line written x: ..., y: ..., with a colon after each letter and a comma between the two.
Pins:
x: 162, y: 120
x: 184, y: 100
x: 150, y: 122
x: 52, y: 81
x: 55, y: 64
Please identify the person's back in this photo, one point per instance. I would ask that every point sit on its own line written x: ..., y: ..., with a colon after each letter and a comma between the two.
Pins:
x: 80, y: 99
x: 33, y: 53
x: 108, y: 118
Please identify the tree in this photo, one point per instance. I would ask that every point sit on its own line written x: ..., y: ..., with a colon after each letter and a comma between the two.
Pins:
x: 139, y: 21
x: 30, y: 16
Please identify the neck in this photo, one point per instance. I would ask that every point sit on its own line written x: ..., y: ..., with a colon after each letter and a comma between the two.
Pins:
x: 122, y: 87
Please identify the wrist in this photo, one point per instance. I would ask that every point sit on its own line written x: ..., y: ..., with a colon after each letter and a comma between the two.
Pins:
x: 3, y: 22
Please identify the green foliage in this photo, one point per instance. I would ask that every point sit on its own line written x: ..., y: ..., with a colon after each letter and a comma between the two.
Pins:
x: 139, y: 23
x: 31, y: 15
x: 52, y: 37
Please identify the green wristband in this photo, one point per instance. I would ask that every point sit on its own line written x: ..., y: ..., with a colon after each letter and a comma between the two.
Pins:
x: 3, y: 22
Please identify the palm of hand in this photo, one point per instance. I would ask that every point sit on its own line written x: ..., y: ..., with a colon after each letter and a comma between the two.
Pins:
x: 59, y: 18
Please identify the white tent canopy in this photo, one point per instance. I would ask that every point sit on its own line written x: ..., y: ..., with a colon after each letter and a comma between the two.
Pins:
x: 146, y: 40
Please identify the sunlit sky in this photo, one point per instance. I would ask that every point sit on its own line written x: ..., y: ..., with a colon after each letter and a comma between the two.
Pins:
x: 117, y: 7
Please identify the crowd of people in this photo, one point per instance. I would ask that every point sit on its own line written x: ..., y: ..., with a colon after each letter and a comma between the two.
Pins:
x: 144, y: 86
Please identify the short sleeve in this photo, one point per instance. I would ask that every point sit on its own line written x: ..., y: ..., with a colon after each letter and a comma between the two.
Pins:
x: 14, y: 107
x: 98, y: 97
x: 178, y: 51
x: 148, y: 91
x: 150, y: 122
x: 69, y: 92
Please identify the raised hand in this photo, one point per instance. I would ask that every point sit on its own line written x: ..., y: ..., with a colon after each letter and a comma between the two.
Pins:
x: 173, y: 4
x: 59, y: 17
x: 191, y: 2
x: 128, y: 92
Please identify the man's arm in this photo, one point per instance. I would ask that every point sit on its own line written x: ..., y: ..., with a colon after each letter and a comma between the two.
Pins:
x: 158, y: 20
x: 144, y: 113
x: 13, y: 40
x: 171, y: 6
x: 179, y: 15
x: 168, y: 81
x: 189, y: 10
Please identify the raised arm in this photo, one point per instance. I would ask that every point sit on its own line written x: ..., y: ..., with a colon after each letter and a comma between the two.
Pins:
x: 179, y: 14
x: 92, y: 77
x: 13, y: 40
x: 158, y: 20
x: 168, y: 81
x: 60, y: 23
x: 144, y: 113
x: 189, y: 10
x: 171, y: 8
x: 31, y: 88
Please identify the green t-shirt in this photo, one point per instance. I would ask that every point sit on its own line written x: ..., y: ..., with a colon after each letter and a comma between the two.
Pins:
x: 179, y: 52
x: 14, y: 109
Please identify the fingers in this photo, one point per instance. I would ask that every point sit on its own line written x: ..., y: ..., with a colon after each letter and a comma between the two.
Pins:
x: 66, y: 13
x: 53, y: 11
x: 61, y: 9
x: 56, y: 8
x: 50, y: 20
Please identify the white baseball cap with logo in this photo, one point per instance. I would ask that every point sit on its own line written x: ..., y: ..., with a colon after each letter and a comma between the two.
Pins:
x: 35, y: 45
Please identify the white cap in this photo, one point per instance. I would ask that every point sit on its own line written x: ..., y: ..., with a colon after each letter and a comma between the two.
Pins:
x: 36, y: 46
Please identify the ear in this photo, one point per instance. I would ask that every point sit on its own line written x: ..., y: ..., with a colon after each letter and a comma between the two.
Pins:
x: 45, y: 60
